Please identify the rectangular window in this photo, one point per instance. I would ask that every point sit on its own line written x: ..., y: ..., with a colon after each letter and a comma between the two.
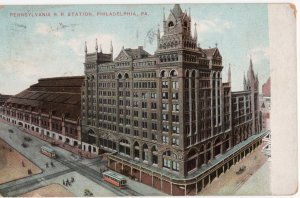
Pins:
x: 165, y: 95
x: 136, y: 133
x: 175, y: 107
x: 145, y: 134
x: 144, y: 104
x: 165, y: 106
x: 164, y: 84
x: 175, y: 96
x: 165, y: 139
x: 153, y: 116
x: 153, y: 95
x: 144, y: 114
x: 174, y: 84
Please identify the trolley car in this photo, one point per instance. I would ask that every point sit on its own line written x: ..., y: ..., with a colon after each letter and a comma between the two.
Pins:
x: 114, y: 179
x: 48, y: 152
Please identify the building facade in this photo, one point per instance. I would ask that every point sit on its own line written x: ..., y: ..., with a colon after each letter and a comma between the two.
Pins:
x: 168, y: 119
x: 49, y: 108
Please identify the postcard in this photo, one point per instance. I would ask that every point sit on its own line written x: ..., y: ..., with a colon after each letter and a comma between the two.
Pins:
x: 179, y: 99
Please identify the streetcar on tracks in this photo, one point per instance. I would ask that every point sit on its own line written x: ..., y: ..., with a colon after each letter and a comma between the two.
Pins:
x: 115, y: 179
x: 48, y: 151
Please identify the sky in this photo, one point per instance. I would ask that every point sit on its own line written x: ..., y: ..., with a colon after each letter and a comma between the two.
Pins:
x: 34, y: 43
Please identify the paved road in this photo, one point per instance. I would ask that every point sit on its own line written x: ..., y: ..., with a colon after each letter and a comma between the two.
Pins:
x: 65, y: 163
x: 96, y: 177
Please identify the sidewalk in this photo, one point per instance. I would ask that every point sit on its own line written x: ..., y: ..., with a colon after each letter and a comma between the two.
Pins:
x: 230, y: 182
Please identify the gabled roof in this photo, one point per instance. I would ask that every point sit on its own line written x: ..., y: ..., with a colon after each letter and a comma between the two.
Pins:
x: 212, y: 52
x: 129, y: 53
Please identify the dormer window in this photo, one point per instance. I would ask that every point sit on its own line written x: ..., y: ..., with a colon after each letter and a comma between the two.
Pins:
x: 171, y: 24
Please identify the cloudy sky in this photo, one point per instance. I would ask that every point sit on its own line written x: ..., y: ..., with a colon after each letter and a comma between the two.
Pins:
x: 33, y: 46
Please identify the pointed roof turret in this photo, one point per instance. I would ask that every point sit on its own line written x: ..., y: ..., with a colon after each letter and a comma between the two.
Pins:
x: 96, y: 45
x: 195, y: 33
x: 85, y: 47
x: 177, y: 11
x: 111, y: 47
x: 229, y: 73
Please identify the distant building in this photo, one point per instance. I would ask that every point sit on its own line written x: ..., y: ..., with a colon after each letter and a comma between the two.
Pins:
x: 168, y: 119
x: 266, y: 88
x: 51, y: 107
x: 3, y: 98
x: 265, y: 104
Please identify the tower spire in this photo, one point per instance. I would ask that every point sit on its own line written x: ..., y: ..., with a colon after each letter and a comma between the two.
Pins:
x: 164, y: 14
x: 111, y: 47
x: 158, y: 32
x: 229, y: 73
x: 85, y: 47
x: 111, y: 50
x: 195, y: 33
x: 96, y: 45
x: 245, y: 82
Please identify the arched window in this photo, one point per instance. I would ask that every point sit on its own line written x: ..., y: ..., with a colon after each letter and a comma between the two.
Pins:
x: 154, y: 155
x: 136, y: 148
x: 173, y: 73
x: 192, y: 160
x: 124, y: 147
x: 218, y: 145
x: 170, y: 161
x: 119, y: 76
x: 171, y: 24
x: 126, y: 75
x: 208, y: 152
x: 145, y: 152
x: 163, y: 73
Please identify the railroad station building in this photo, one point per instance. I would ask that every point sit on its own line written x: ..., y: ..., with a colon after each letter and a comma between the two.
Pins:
x: 167, y: 119
x: 49, y: 108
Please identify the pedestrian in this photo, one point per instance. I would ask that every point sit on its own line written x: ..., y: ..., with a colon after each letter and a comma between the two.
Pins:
x: 64, y: 182
x: 47, y: 165
x: 72, y: 179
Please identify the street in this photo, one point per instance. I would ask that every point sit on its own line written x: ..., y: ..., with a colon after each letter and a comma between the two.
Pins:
x: 66, y: 163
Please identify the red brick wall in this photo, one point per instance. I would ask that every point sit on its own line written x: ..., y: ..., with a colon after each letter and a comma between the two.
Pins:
x: 166, y: 187
x: 156, y: 182
x: 146, y: 179
x: 177, y: 190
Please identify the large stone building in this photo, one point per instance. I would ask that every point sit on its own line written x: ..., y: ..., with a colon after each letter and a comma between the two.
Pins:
x: 168, y: 119
x: 50, y: 108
